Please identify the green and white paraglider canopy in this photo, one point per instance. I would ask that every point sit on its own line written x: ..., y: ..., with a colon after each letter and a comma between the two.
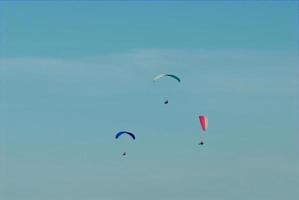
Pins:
x: 165, y: 75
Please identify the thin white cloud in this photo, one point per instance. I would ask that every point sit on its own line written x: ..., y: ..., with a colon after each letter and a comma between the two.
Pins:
x: 210, y: 70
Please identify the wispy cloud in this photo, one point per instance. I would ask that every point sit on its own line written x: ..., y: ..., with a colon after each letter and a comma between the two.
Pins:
x: 246, y: 72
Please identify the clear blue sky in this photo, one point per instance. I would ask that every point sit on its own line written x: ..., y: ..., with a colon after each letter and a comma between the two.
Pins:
x: 72, y: 74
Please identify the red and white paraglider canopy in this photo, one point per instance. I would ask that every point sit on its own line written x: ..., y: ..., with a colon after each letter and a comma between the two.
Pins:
x: 203, y: 122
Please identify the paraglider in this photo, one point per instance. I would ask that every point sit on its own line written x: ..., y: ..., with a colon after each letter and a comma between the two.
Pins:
x: 204, y: 125
x: 203, y: 122
x: 125, y: 133
x: 169, y: 75
x: 174, y: 77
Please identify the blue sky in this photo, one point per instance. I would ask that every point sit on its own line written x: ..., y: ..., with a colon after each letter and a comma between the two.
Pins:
x: 74, y: 73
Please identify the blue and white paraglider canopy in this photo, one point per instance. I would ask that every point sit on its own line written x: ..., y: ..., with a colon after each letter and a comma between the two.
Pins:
x: 124, y: 132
